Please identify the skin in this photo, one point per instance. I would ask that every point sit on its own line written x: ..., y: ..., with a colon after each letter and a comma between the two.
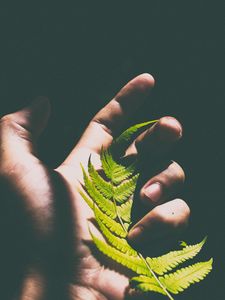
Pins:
x: 53, y: 257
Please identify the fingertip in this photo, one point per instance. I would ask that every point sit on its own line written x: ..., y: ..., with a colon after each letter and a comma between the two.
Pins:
x: 169, y: 128
x: 145, y: 81
x: 136, y: 90
x: 148, y: 77
x: 40, y: 103
x: 34, y: 117
x: 166, y: 219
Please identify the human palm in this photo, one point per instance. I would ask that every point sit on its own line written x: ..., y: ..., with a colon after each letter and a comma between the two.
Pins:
x: 60, y: 259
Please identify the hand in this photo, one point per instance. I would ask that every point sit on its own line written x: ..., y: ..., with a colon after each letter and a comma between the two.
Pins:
x: 44, y: 219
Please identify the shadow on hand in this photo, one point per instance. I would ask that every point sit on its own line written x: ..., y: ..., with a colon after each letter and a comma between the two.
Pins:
x: 21, y: 248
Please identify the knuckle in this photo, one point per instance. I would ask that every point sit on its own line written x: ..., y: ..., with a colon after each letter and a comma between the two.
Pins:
x: 10, y: 121
x: 100, y: 123
x: 174, y: 214
x: 159, y: 215
x: 15, y: 123
x: 6, y: 119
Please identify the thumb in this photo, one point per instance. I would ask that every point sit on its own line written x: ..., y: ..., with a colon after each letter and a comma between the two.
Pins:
x: 34, y: 117
x: 19, y: 130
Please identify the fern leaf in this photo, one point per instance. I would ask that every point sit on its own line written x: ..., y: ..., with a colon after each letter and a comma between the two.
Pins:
x: 122, y: 173
x: 183, y: 244
x: 111, y: 201
x: 104, y: 204
x: 121, y: 143
x: 103, y: 186
x: 124, y: 211
x: 87, y: 199
x: 183, y: 278
x: 111, y: 224
x: 146, y: 284
x: 115, y: 171
x: 167, y: 262
x: 131, y: 262
x: 174, y: 282
x: 107, y: 165
x: 123, y: 191
x: 117, y: 242
x: 126, y: 226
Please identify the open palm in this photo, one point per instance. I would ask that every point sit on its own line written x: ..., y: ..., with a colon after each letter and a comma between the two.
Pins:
x: 58, y: 256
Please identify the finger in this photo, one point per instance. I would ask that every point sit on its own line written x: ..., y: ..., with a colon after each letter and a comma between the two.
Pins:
x: 19, y: 131
x: 164, y: 220
x: 162, y: 186
x: 158, y: 139
x: 114, y: 116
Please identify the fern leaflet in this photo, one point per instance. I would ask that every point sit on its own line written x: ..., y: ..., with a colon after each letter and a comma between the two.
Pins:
x: 103, y: 186
x: 167, y: 262
x: 117, y: 242
x: 133, y: 263
x: 105, y: 204
x: 126, y: 189
x: 174, y: 282
x: 183, y: 278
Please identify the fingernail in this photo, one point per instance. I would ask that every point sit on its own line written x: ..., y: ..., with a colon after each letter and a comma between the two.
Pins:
x: 169, y: 129
x: 176, y: 125
x: 135, y: 233
x: 153, y: 192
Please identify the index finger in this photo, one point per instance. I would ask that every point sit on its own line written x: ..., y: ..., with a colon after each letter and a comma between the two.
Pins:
x: 114, y: 116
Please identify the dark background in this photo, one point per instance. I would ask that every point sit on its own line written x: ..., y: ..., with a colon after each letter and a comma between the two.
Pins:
x: 80, y: 54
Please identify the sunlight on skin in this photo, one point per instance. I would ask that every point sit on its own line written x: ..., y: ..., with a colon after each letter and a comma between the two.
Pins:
x: 37, y: 187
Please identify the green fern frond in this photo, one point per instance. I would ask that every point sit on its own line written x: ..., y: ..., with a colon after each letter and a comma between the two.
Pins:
x: 183, y: 278
x: 167, y: 262
x: 126, y: 189
x: 114, y: 171
x: 87, y: 199
x: 107, y: 164
x: 174, y: 282
x: 103, y: 203
x: 183, y: 243
x: 121, y: 143
x: 117, y: 242
x: 131, y: 262
x: 111, y: 224
x: 122, y: 173
x: 119, y: 193
x: 124, y: 211
x: 146, y: 284
x: 111, y: 198
x: 103, y: 186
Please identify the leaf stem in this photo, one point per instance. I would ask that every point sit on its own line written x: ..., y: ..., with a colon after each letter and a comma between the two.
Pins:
x: 118, y: 216
x: 156, y: 278
x: 141, y: 256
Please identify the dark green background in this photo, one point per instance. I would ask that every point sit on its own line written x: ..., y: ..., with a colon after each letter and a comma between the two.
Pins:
x: 80, y: 54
